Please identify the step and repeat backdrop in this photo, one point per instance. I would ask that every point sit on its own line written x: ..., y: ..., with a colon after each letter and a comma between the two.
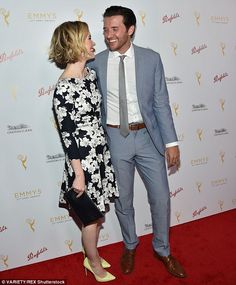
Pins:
x: 196, y: 40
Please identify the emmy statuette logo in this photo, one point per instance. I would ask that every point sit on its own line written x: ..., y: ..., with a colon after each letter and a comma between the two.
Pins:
x: 221, y: 204
x: 4, y: 259
x: 178, y: 215
x: 13, y: 93
x: 197, y: 18
x: 199, y: 186
x: 222, y: 156
x: 142, y: 15
x: 198, y: 77
x: 174, y: 48
x: 31, y: 223
x: 200, y: 134
x: 23, y: 160
x: 54, y: 124
x: 222, y: 47
x: 69, y: 244
x: 176, y: 108
x: 79, y: 14
x: 5, y: 16
x: 103, y: 236
x: 222, y: 104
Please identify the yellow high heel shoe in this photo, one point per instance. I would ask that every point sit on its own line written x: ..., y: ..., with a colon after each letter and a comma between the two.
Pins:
x: 108, y: 277
x: 104, y: 263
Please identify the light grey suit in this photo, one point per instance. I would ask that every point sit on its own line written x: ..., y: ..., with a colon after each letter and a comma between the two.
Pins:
x: 143, y: 149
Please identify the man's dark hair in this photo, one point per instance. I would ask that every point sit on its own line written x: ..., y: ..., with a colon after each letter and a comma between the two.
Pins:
x: 129, y: 18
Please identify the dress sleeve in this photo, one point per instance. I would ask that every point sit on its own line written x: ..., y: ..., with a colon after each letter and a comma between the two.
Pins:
x: 64, y: 111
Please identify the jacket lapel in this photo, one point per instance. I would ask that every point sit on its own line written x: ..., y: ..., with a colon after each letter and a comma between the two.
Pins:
x: 139, y: 65
x: 102, y: 77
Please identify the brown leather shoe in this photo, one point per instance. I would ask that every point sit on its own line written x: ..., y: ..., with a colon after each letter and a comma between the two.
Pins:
x: 127, y: 261
x: 172, y: 265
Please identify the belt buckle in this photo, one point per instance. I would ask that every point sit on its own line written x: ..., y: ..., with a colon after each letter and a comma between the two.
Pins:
x: 134, y: 126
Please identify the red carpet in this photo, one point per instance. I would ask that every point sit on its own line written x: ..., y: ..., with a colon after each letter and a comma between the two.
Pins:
x: 206, y: 248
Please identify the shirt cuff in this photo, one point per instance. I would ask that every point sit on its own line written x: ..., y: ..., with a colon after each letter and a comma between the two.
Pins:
x: 172, y: 144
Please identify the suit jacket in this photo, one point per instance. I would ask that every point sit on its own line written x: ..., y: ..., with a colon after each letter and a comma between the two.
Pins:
x: 153, y: 98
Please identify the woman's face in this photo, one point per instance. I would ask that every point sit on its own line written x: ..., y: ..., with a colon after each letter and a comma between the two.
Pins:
x: 89, y: 44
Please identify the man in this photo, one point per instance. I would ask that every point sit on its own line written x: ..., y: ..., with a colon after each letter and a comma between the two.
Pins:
x: 145, y: 140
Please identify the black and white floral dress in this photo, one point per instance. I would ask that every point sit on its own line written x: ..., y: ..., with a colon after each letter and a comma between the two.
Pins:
x: 76, y: 105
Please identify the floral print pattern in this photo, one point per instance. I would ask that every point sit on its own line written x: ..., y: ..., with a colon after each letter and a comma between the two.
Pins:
x: 76, y: 105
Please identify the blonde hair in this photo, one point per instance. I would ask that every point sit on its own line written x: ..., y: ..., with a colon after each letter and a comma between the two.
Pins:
x: 68, y: 43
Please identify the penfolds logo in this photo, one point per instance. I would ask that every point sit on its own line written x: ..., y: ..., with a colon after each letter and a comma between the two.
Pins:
x: 198, y: 212
x: 12, y: 55
x: 218, y: 78
x: 37, y: 254
x: 198, y: 49
x: 48, y: 91
x: 177, y: 191
x: 170, y: 18
x: 3, y: 228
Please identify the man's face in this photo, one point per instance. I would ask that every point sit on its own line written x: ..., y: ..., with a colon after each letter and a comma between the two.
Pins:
x: 117, y: 37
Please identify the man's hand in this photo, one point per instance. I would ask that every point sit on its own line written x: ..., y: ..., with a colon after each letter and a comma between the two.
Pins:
x: 173, y: 156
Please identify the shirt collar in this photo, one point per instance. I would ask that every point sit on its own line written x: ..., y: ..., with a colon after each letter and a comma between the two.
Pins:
x: 128, y: 53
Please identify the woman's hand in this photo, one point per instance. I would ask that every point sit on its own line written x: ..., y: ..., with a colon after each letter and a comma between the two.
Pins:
x: 79, y: 184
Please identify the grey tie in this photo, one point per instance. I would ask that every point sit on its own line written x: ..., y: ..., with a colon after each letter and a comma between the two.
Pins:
x: 124, y: 124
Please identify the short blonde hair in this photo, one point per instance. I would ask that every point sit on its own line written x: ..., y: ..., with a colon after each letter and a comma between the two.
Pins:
x: 68, y: 43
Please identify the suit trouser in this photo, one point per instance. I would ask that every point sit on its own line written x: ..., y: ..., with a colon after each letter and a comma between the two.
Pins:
x: 138, y: 151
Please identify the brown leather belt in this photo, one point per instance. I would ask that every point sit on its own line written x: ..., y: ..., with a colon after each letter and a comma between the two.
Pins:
x: 132, y: 127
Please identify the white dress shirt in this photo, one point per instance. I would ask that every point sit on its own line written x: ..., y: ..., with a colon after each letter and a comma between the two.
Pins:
x: 134, y: 114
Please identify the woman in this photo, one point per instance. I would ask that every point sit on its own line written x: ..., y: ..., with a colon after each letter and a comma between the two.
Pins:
x: 76, y: 104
